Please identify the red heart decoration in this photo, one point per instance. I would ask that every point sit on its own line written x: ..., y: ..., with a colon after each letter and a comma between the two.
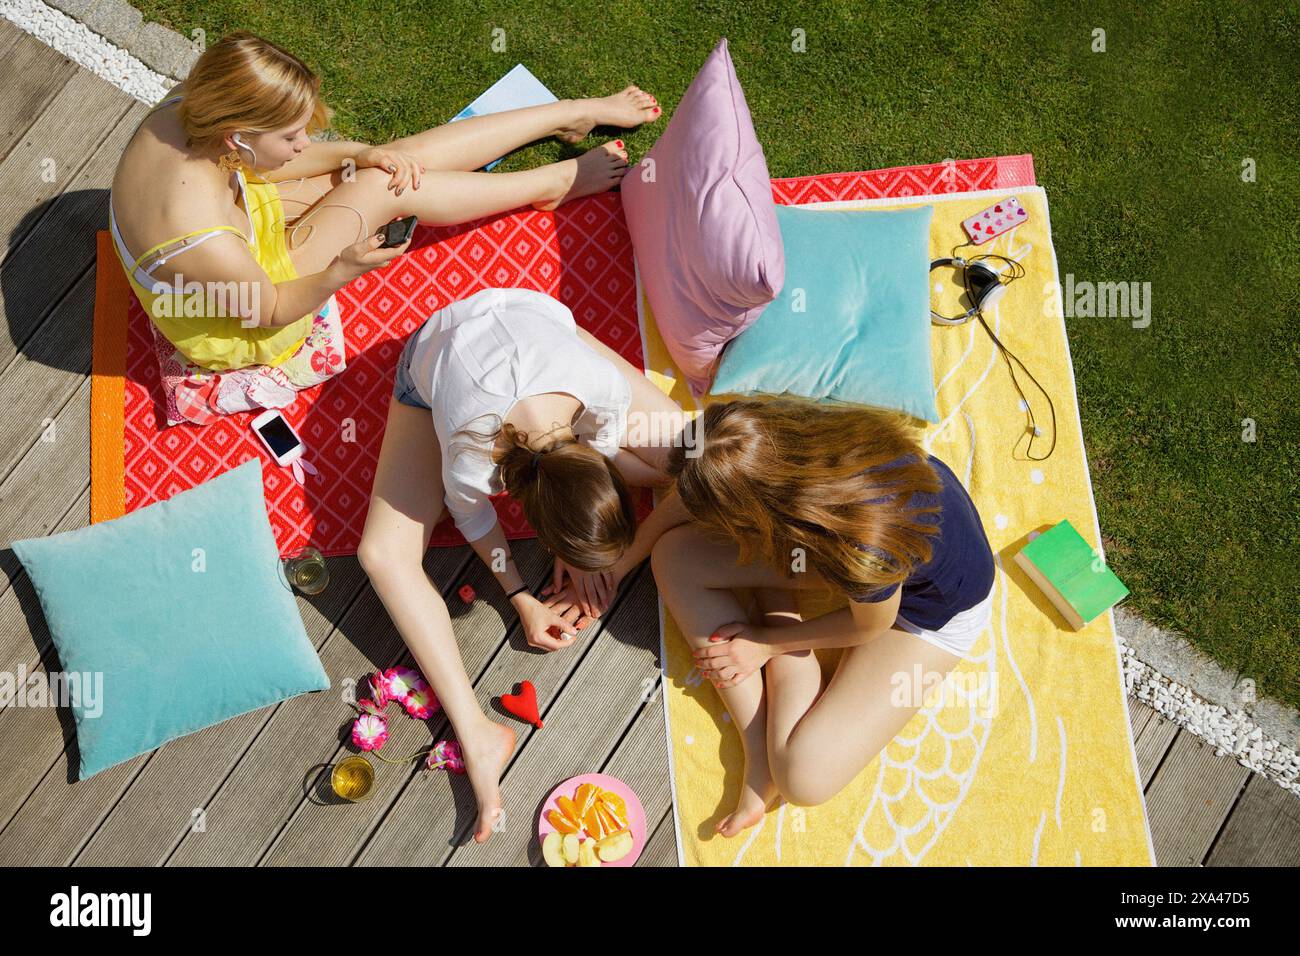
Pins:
x: 997, y: 208
x: 1020, y: 212
x: 524, y: 704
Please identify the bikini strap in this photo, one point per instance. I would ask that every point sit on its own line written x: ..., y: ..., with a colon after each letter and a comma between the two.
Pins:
x: 186, y: 242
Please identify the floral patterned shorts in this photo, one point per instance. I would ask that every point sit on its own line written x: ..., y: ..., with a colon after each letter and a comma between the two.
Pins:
x: 198, y: 395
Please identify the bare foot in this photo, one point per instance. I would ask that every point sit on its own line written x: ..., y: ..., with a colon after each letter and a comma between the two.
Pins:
x: 755, y: 797
x: 594, y: 171
x: 627, y: 109
x: 484, y: 761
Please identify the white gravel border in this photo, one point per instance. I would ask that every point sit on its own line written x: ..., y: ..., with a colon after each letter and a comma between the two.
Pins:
x: 1232, y: 733
x: 86, y: 48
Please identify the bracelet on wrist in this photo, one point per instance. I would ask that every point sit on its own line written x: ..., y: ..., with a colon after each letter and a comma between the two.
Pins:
x: 518, y: 590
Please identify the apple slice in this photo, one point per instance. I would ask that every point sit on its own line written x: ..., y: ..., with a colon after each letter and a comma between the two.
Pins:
x: 553, y: 849
x: 587, y: 853
x: 615, y: 846
x: 570, y: 848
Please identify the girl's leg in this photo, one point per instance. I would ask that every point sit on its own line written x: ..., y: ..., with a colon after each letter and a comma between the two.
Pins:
x: 474, y: 142
x: 695, y: 574
x: 817, y: 745
x: 353, y: 209
x: 405, y: 504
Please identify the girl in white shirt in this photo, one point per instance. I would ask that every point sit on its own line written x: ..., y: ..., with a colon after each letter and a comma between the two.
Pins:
x: 503, y: 391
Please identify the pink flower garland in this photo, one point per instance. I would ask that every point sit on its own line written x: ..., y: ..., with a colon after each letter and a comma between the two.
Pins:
x: 409, y: 688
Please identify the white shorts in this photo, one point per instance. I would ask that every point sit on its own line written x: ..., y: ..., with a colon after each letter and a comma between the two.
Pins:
x: 958, y: 634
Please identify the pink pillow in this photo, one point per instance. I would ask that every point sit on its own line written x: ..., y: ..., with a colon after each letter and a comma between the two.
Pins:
x: 703, y: 223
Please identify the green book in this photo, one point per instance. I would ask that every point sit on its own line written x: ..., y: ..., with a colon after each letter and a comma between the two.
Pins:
x: 1076, y: 580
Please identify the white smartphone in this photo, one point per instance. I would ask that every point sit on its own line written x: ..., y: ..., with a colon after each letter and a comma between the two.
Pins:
x: 278, y: 436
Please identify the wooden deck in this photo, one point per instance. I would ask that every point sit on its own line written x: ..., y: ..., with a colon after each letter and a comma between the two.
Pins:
x: 261, y: 780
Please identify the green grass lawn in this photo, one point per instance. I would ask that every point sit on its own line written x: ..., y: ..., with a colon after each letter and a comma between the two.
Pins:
x: 1140, y: 149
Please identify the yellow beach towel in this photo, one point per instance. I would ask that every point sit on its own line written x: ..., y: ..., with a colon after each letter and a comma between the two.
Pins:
x: 1024, y: 755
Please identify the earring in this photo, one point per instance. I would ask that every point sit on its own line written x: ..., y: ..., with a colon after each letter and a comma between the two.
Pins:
x: 230, y: 162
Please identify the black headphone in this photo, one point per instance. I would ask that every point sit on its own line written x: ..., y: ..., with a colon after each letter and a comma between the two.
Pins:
x: 984, y: 288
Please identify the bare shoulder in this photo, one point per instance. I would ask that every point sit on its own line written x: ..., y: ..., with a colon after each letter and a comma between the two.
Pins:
x: 161, y: 191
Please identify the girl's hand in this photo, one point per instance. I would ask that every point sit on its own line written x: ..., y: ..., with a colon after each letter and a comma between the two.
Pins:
x: 406, y: 169
x: 595, y: 590
x: 360, y: 257
x: 736, y: 650
x: 543, y: 627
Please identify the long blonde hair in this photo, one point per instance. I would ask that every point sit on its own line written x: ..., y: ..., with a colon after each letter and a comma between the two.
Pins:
x: 243, y: 82
x: 789, y: 473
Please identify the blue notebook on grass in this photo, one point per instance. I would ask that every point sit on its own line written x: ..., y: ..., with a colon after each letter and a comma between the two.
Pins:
x: 515, y: 90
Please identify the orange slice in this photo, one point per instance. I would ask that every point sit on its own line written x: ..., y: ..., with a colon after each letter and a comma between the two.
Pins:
x: 569, y: 810
x: 615, y: 805
x: 608, y: 822
x: 584, y: 797
x: 561, y: 823
x: 593, y: 824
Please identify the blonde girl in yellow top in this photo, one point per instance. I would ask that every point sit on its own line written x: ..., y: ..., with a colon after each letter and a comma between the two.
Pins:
x: 195, y: 203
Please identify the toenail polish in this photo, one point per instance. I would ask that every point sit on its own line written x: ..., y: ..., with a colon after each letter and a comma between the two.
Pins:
x: 656, y: 109
x: 618, y: 143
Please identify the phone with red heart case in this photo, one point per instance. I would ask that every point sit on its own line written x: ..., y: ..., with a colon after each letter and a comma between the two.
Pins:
x: 1001, y: 217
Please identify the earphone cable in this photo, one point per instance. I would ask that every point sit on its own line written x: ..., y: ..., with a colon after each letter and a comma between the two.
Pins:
x: 1017, y: 271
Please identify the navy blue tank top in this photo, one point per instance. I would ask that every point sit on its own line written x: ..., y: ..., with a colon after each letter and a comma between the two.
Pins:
x: 959, y: 574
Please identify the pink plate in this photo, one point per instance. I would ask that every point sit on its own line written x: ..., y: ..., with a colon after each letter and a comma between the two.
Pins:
x: 635, y: 812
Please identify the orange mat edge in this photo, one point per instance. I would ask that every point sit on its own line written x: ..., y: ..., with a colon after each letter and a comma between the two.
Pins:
x: 107, y: 385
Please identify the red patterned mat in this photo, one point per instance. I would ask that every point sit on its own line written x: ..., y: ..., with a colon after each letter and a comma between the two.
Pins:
x: 580, y: 254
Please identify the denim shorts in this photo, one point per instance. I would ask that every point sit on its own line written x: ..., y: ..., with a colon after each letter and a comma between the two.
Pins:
x: 403, y: 385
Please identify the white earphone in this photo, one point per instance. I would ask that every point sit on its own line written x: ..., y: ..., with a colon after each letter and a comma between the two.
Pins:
x: 240, y: 142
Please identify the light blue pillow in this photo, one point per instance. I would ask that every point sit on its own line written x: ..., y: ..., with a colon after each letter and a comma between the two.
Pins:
x: 181, y: 609
x: 852, y: 322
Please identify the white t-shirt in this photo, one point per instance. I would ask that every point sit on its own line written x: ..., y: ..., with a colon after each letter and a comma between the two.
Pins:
x: 475, y: 358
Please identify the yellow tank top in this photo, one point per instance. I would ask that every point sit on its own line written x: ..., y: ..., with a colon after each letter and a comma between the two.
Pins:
x: 218, y: 341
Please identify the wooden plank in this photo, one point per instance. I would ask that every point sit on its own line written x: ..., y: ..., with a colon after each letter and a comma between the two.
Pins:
x: 60, y: 250
x: 288, y: 765
x: 1189, y: 799
x: 598, y: 706
x: 39, y: 834
x: 1262, y: 830
x: 19, y: 605
x: 34, y: 498
x: 56, y: 147
x: 427, y: 817
x: 661, y: 848
x: 330, y: 833
x: 33, y: 74
x: 1139, y: 715
x: 1152, y: 745
x: 639, y: 759
x: 148, y: 822
x: 39, y: 380
x: 9, y: 35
